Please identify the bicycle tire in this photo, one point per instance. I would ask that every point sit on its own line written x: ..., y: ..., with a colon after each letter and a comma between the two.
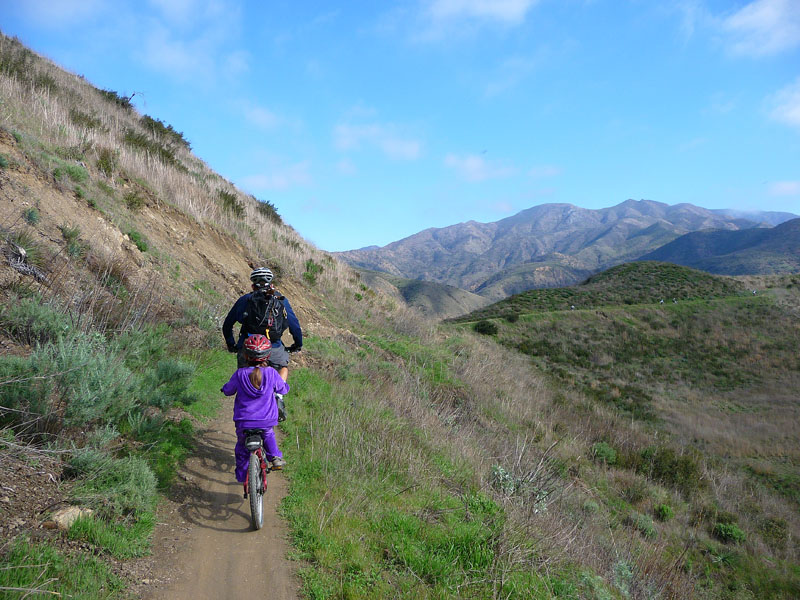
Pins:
x: 256, y: 491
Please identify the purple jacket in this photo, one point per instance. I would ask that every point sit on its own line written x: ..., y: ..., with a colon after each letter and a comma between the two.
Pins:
x: 252, y: 407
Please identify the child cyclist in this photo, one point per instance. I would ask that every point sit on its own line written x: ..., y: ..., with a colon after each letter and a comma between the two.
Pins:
x: 255, y: 407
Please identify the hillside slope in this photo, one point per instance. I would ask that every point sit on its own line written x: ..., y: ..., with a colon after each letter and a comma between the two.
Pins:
x: 748, y: 252
x: 424, y: 461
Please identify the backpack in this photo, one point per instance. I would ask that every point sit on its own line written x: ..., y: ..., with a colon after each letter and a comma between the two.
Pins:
x: 265, y: 314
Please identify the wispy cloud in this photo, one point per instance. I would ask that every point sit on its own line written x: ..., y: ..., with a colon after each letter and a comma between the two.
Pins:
x: 473, y: 167
x: 545, y: 171
x: 511, y: 72
x: 763, y: 28
x: 505, y: 11
x: 785, y: 188
x: 385, y: 137
x: 785, y: 104
x: 261, y: 116
x: 59, y: 14
x: 278, y: 178
x: 346, y: 167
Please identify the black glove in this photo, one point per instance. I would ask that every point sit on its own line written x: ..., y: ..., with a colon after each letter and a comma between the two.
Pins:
x: 281, y: 410
x: 295, y: 347
x: 232, y: 348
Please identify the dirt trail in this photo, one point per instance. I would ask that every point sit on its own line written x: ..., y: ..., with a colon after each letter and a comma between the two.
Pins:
x: 205, y: 547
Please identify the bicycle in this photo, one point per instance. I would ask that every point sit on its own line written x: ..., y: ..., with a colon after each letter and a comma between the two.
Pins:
x: 255, y: 486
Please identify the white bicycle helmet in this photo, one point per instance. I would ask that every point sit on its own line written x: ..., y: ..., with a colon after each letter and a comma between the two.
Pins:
x: 261, y: 275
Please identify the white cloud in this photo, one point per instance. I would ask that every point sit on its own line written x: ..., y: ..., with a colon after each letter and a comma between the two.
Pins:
x: 278, y: 178
x: 353, y: 137
x: 261, y: 117
x: 785, y: 188
x: 511, y: 72
x: 764, y: 27
x: 785, y: 104
x: 505, y: 11
x: 346, y: 167
x: 545, y: 171
x: 475, y: 168
x: 59, y: 14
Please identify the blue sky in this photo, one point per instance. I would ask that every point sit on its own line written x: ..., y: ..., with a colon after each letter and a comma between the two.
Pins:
x: 370, y: 121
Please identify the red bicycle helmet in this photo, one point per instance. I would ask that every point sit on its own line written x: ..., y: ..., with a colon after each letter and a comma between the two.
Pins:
x: 257, y: 348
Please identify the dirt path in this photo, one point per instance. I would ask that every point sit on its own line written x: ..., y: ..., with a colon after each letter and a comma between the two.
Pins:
x: 204, y: 546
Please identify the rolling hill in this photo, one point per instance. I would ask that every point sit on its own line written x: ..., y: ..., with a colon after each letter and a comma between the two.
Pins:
x: 744, y: 252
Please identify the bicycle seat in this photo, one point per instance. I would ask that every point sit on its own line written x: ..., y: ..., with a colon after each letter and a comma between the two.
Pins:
x: 253, y: 438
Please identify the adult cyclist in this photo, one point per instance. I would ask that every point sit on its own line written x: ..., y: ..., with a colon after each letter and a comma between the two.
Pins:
x: 267, y: 312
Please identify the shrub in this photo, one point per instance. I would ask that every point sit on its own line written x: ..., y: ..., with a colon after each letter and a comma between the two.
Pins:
x: 485, y: 327
x: 512, y: 317
x: 107, y: 162
x: 728, y: 532
x: 268, y: 210
x: 31, y: 321
x: 113, y: 97
x: 134, y: 199
x: 159, y: 129
x: 138, y: 239
x: 82, y: 119
x: 3, y: 161
x: 642, y: 523
x: 313, y: 269
x: 230, y: 203
x: 33, y: 252
x: 665, y: 466
x: 604, y: 453
x: 143, y: 142
x: 115, y: 487
x: 31, y: 216
x: 663, y: 512
x: 70, y: 233
x: 591, y: 507
x: 75, y: 172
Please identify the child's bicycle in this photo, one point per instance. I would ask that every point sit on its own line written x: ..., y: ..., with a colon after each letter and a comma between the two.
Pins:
x: 255, y: 486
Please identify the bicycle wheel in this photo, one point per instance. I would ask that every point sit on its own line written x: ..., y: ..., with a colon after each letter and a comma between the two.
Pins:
x: 255, y: 491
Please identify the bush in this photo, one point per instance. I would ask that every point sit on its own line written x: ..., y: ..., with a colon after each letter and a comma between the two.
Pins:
x: 138, y: 239
x: 663, y: 512
x: 82, y: 119
x: 604, y: 453
x: 134, y: 199
x: 485, y: 327
x: 115, y: 98
x: 313, y: 269
x: 512, y: 317
x: 268, y: 210
x: 75, y: 172
x: 231, y: 204
x: 107, y: 161
x: 31, y: 321
x: 728, y: 532
x: 665, y: 466
x: 3, y: 161
x: 31, y: 216
x: 159, y: 129
x: 642, y: 523
x: 143, y: 142
x: 114, y: 487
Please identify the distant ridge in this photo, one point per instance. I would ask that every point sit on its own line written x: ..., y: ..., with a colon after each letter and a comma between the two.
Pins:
x: 543, y: 246
x: 749, y: 252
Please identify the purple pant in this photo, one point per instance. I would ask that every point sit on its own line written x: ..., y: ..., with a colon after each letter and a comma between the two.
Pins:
x: 243, y: 455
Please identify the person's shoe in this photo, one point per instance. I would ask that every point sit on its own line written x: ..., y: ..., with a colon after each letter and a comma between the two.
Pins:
x: 278, y: 463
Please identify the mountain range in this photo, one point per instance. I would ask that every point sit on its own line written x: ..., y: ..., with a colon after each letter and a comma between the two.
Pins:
x: 547, y: 245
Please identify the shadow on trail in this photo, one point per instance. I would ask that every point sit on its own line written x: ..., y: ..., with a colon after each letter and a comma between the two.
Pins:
x: 209, y: 495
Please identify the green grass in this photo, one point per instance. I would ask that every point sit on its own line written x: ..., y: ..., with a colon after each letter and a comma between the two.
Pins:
x: 120, y: 540
x: 30, y: 565
x: 368, y: 527
x: 212, y: 369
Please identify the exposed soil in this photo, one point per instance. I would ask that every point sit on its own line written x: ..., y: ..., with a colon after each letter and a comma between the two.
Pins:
x: 204, y: 545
